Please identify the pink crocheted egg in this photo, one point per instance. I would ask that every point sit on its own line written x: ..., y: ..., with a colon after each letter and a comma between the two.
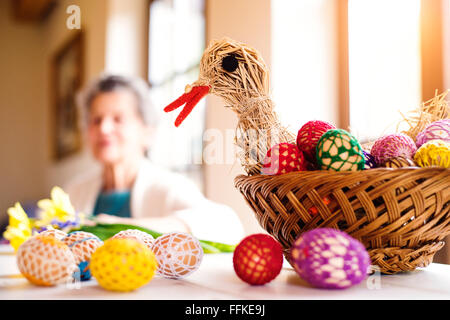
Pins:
x: 46, y: 261
x: 178, y: 255
x: 83, y: 245
x: 283, y: 158
x: 392, y: 146
x: 329, y: 258
x: 140, y: 236
x: 308, y: 136
x: 437, y: 130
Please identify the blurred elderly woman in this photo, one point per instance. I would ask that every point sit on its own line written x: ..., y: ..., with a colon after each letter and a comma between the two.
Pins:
x: 129, y: 188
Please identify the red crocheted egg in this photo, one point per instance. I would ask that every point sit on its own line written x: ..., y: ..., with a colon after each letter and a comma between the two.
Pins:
x: 309, y: 135
x: 283, y: 158
x: 258, y: 259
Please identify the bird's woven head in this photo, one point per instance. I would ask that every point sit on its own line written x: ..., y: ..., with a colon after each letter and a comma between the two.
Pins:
x: 229, y: 69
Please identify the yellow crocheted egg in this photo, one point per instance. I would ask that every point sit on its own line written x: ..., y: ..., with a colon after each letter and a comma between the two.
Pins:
x: 433, y: 153
x: 46, y: 261
x: 123, y: 265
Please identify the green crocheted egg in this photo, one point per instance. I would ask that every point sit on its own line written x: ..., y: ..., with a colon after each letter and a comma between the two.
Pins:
x: 338, y: 150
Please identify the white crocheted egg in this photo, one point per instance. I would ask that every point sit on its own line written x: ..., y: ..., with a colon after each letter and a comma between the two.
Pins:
x: 140, y: 236
x: 178, y: 254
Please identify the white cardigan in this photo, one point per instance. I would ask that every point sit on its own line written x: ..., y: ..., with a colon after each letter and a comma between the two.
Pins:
x: 158, y: 192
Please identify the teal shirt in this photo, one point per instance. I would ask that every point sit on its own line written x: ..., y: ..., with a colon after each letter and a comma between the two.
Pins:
x: 115, y: 203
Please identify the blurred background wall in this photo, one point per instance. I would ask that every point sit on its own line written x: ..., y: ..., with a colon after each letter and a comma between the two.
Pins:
x: 303, y: 42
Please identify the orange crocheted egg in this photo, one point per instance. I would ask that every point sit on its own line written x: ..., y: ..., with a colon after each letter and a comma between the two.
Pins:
x: 83, y: 245
x: 178, y: 254
x: 138, y: 235
x: 46, y: 261
x: 283, y: 158
x: 77, y: 236
x: 58, y: 234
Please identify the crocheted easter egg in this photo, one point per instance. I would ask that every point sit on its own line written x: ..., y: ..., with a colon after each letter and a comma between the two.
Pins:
x: 123, y: 265
x: 75, y: 236
x: 398, y: 162
x: 433, y: 153
x: 329, y: 258
x: 46, y: 261
x: 308, y: 136
x: 135, y: 234
x: 313, y: 210
x: 369, y: 160
x: 283, y: 158
x: 438, y: 130
x: 82, y: 244
x: 338, y: 150
x: 258, y: 259
x: 58, y: 234
x: 392, y: 146
x: 178, y: 254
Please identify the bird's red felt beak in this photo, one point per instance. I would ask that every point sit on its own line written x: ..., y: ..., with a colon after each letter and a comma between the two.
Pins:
x: 191, y: 98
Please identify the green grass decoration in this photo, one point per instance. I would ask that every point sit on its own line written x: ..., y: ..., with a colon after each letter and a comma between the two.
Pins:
x: 105, y: 231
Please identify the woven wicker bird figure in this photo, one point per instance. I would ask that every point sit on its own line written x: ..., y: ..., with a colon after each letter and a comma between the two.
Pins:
x: 238, y: 74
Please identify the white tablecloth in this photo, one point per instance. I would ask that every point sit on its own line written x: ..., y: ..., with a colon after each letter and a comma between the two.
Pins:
x: 216, y: 279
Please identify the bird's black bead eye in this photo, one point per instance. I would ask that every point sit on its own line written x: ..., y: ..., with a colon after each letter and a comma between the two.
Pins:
x: 229, y: 63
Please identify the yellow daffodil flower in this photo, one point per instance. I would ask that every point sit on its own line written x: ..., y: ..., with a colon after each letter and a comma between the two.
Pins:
x: 57, y: 208
x: 19, y: 228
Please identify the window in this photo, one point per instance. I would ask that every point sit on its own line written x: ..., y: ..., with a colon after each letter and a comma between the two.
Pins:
x: 176, y: 44
x: 384, y: 64
x: 303, y: 59
x: 358, y: 63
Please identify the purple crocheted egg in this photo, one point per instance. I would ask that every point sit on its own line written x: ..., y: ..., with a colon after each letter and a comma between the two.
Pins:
x: 370, y: 161
x: 392, y: 146
x: 329, y: 258
x: 436, y: 130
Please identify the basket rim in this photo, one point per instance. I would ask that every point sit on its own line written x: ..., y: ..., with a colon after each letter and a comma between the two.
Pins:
x: 315, y: 173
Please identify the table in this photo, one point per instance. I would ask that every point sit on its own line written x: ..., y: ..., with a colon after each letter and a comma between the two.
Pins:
x: 216, y: 280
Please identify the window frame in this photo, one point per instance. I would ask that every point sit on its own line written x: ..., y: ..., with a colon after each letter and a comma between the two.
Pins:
x: 192, y: 169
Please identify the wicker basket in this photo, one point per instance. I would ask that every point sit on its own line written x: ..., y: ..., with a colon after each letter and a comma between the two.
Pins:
x: 400, y: 215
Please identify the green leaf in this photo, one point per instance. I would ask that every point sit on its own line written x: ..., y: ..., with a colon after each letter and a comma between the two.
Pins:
x: 105, y: 231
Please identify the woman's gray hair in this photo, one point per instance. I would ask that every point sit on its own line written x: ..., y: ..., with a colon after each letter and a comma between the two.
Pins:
x: 110, y: 83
